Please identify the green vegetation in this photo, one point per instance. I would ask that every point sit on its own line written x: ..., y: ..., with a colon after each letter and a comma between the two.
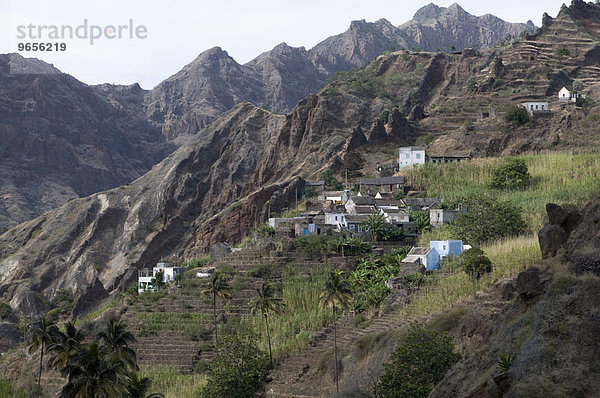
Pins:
x: 488, y: 219
x: 513, y: 174
x: 103, y: 365
x: 265, y: 302
x: 475, y: 263
x: 375, y: 224
x: 174, y: 384
x: 505, y: 361
x: 7, y: 390
x: 420, y: 361
x: 218, y: 287
x: 366, y: 83
x: 368, y: 280
x: 471, y: 84
x: 240, y: 367
x: 336, y: 294
x: 563, y: 52
x: 290, y: 331
x: 5, y: 310
x: 559, y: 178
x: 516, y: 115
x: 330, y: 180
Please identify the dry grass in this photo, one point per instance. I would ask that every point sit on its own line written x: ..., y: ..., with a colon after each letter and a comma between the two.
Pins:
x: 509, y: 256
x: 173, y: 384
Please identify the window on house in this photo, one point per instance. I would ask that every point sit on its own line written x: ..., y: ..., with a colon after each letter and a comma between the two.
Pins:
x: 444, y: 247
x: 407, y: 156
x: 418, y: 156
x: 542, y: 107
x: 335, y: 218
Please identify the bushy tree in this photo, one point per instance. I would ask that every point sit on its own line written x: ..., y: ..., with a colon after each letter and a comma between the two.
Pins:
x: 239, y: 368
x: 5, y: 310
x: 516, y: 115
x: 486, y: 219
x: 475, y: 263
x: 513, y: 174
x: 420, y: 361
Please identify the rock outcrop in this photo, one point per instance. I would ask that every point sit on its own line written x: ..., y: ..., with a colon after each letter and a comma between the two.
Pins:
x: 63, y: 139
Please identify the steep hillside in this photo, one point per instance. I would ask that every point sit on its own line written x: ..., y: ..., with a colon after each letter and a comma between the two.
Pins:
x: 62, y: 139
x: 280, y: 78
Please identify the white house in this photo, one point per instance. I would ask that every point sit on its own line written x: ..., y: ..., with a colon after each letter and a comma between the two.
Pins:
x: 428, y: 257
x: 439, y: 217
x: 536, y: 107
x: 447, y: 247
x: 564, y: 95
x: 410, y: 156
x: 334, y: 196
x: 145, y: 276
x: 336, y: 219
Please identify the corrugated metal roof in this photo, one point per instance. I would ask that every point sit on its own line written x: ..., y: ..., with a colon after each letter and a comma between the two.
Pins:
x: 383, y: 180
x: 419, y: 251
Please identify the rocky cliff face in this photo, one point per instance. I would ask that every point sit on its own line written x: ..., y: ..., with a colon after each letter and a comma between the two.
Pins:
x: 62, y: 139
x: 67, y: 140
x: 216, y: 188
x: 279, y: 78
x: 439, y: 28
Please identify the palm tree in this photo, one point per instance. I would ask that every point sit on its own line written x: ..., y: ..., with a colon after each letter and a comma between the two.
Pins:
x: 117, y: 339
x: 66, y: 346
x: 336, y: 294
x: 375, y: 223
x: 219, y: 287
x: 264, y: 303
x: 43, y: 334
x: 139, y: 387
x: 95, y: 372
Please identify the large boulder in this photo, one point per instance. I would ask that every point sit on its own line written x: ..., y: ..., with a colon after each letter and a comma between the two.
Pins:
x: 219, y: 250
x: 556, y: 214
x: 551, y: 238
x: 531, y: 283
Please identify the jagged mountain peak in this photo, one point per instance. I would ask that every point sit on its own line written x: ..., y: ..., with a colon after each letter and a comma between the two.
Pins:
x: 17, y: 64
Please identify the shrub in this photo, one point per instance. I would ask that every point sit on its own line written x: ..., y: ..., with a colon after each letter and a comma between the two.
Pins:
x: 5, y: 310
x: 488, y: 218
x: 240, y: 367
x: 471, y: 84
x: 475, y: 263
x: 563, y: 51
x: 506, y: 361
x: 414, y: 279
x: 420, y: 361
x: 516, y: 115
x: 266, y: 231
x: 261, y: 271
x: 513, y: 174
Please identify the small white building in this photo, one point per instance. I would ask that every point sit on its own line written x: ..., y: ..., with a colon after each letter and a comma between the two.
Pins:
x: 336, y: 219
x: 564, y: 95
x: 439, y: 217
x: 410, y: 156
x: 535, y: 107
x: 334, y: 196
x: 428, y: 257
x: 145, y: 276
x: 447, y: 247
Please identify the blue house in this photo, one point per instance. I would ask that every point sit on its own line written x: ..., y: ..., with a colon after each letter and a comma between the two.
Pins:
x: 447, y: 247
x: 428, y: 257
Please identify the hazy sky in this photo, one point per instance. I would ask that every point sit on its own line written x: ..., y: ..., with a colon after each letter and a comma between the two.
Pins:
x: 178, y: 30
